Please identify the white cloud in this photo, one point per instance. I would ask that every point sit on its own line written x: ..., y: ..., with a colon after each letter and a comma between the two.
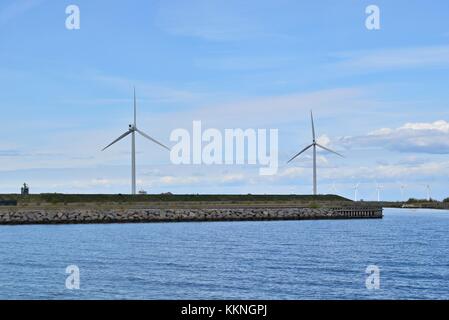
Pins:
x: 392, y: 172
x: 420, y: 137
x: 376, y: 60
x: 292, y: 172
x: 324, y: 140
x: 231, y: 178
x: 178, y: 180
x: 440, y: 125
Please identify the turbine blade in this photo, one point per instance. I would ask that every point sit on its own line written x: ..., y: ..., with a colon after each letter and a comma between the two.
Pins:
x: 296, y: 155
x: 116, y: 140
x: 327, y: 149
x: 135, y: 107
x: 151, y: 139
x: 313, y: 125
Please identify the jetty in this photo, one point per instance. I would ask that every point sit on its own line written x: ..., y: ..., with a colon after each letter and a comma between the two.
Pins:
x: 69, y: 209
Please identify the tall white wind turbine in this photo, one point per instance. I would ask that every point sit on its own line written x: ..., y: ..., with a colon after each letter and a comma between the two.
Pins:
x: 132, y: 129
x: 314, y: 145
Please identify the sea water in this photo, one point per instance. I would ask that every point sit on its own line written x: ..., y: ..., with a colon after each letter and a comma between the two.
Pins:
x: 314, y: 259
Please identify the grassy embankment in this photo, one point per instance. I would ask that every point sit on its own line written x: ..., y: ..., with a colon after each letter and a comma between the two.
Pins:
x: 205, y: 201
x: 412, y: 203
x: 175, y: 201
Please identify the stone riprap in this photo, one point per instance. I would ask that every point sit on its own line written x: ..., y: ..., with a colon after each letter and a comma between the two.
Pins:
x: 72, y: 215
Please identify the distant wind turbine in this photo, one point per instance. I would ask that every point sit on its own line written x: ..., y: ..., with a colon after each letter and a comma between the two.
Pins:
x: 356, y: 190
x: 402, y: 186
x: 314, y: 145
x: 334, y: 188
x: 429, y: 191
x: 132, y: 129
x: 378, y: 188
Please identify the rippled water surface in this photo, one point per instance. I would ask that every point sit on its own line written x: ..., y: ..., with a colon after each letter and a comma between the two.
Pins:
x: 231, y: 260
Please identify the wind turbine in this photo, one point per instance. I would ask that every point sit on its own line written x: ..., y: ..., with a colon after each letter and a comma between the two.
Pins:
x: 132, y: 129
x: 314, y: 145
x: 334, y: 188
x: 402, y: 186
x: 356, y: 190
x: 379, y: 188
x: 429, y: 190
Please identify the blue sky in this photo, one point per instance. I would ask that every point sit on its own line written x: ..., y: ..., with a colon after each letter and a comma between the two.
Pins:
x: 380, y: 97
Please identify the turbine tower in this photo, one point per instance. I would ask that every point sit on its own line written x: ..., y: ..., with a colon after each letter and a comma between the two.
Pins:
x: 132, y: 129
x: 314, y: 145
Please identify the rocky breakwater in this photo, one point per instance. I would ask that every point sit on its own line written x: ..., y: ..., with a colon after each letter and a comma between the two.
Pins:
x: 70, y: 215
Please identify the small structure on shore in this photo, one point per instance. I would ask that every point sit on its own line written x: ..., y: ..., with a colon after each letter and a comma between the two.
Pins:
x: 25, y: 190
